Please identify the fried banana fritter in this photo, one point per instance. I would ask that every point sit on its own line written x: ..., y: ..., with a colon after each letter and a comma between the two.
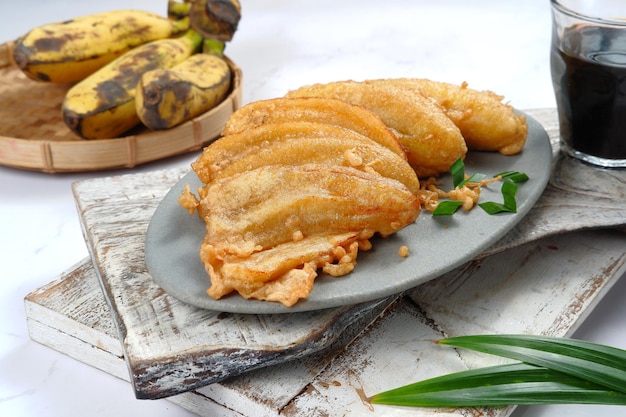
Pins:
x: 298, y: 143
x: 431, y: 140
x: 267, y: 205
x: 300, y: 183
x: 316, y: 110
x: 279, y: 223
x: 285, y: 273
x: 487, y: 124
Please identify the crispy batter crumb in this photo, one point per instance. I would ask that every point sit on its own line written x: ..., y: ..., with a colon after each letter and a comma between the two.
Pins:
x: 353, y: 158
x: 365, y: 245
x: 188, y: 200
x: 346, y: 260
x: 403, y: 251
x: 430, y: 193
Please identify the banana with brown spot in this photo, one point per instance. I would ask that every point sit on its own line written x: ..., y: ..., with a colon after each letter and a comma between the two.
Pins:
x: 69, y: 51
x: 168, y: 97
x: 103, y: 104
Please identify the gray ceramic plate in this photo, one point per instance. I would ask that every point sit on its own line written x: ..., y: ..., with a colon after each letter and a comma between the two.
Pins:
x: 437, y: 244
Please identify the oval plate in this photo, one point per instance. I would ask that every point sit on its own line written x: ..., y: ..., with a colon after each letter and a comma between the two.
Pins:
x: 437, y: 244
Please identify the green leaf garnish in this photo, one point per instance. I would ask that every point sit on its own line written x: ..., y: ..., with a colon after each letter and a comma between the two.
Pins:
x: 552, y: 371
x: 447, y: 207
x: 513, y: 176
x: 494, y: 208
x: 457, y: 170
x: 476, y: 178
x: 508, y: 190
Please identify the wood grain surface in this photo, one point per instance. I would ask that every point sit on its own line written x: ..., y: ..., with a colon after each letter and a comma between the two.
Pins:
x: 170, y: 346
x: 544, y: 287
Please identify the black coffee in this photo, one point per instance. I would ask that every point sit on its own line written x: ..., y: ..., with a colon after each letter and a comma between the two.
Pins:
x: 589, y: 77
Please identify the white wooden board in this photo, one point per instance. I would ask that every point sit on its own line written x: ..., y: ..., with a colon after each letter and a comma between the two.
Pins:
x: 543, y: 287
x: 171, y: 347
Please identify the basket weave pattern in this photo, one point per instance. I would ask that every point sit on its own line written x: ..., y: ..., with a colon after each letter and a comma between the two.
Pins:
x: 31, y: 109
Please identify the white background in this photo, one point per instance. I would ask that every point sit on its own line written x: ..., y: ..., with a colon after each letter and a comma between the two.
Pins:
x: 501, y: 45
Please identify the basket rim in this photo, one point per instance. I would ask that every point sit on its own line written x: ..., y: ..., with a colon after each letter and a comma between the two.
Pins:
x: 43, y: 154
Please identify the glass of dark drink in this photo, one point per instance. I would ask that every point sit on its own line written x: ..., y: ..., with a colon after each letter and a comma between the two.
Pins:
x: 588, y: 64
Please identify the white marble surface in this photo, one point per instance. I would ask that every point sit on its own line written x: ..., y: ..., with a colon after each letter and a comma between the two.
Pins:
x: 500, y: 45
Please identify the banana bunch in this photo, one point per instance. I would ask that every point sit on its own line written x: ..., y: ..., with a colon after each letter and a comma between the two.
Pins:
x: 130, y: 66
x: 67, y: 52
x: 103, y: 104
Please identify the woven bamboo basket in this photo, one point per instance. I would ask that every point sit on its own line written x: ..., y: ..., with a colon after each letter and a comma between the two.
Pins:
x: 33, y: 135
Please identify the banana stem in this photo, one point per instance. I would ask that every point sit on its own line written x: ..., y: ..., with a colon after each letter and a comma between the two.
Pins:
x: 195, y: 38
x: 213, y: 46
x: 182, y: 24
x: 177, y: 10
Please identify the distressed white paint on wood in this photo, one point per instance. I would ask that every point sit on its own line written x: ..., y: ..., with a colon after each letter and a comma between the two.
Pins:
x: 171, y: 347
x: 507, y: 296
x: 544, y: 287
x: 76, y: 298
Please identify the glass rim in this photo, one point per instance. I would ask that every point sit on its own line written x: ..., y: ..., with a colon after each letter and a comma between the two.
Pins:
x: 556, y: 4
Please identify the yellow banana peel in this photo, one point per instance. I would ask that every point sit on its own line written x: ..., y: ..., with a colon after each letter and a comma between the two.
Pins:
x: 168, y: 97
x: 67, y: 52
x: 103, y: 104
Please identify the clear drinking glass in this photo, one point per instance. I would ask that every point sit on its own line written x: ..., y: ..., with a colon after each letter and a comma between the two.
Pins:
x: 588, y: 64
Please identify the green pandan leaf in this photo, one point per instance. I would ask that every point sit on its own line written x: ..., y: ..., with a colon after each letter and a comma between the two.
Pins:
x: 600, y: 364
x: 502, y: 385
x: 551, y: 370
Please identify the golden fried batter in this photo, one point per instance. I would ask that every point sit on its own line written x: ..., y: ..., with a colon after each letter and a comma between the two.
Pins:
x: 272, y: 227
x: 431, y: 140
x: 297, y: 143
x: 317, y: 110
x: 486, y: 123
x: 284, y: 273
x: 267, y: 205
x: 301, y: 183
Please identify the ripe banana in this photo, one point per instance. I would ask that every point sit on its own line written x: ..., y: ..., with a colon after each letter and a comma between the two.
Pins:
x: 103, y: 104
x: 69, y: 51
x: 168, y: 97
